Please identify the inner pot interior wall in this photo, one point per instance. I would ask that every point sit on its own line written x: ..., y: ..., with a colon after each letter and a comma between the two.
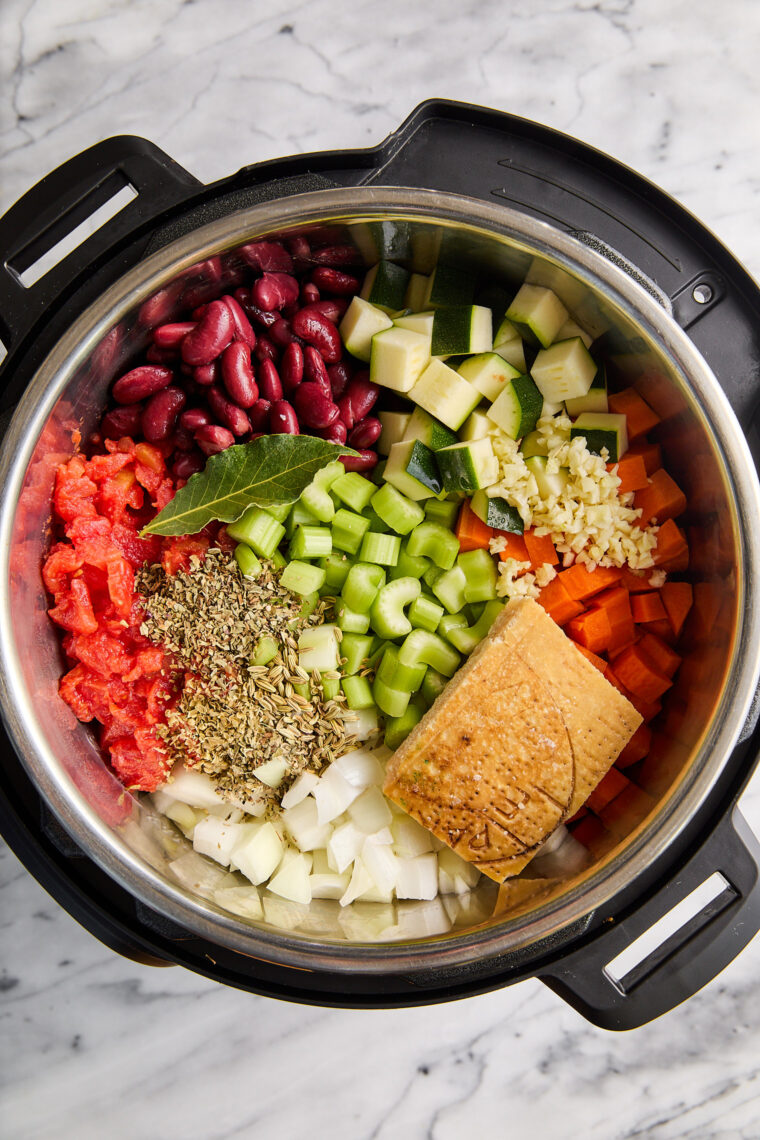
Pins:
x: 691, y: 455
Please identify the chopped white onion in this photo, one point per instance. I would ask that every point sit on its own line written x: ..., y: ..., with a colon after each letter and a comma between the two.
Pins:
x: 333, y: 794
x: 381, y: 863
x: 192, y: 787
x: 409, y: 837
x: 566, y: 860
x: 361, y: 881
x: 273, y: 772
x: 344, y: 845
x: 417, y: 878
x: 361, y: 724
x: 302, y: 824
x: 243, y: 901
x: 216, y: 838
x: 328, y: 884
x: 257, y: 855
x: 361, y: 768
x: 300, y: 789
x: 318, y: 648
x: 292, y: 880
x: 370, y: 811
x: 464, y: 875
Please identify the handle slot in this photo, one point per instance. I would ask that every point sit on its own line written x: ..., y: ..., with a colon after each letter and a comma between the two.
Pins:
x: 84, y: 218
x: 643, y: 956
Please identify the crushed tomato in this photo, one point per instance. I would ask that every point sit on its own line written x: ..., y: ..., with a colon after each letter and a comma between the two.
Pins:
x: 116, y: 676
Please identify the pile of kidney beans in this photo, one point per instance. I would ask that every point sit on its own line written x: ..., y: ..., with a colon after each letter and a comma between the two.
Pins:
x: 266, y: 357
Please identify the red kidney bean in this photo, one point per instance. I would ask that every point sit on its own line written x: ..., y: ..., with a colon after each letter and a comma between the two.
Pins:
x: 259, y: 415
x: 364, y: 461
x: 365, y: 433
x: 315, y: 370
x: 291, y: 366
x: 299, y: 247
x: 169, y: 336
x: 212, y: 334
x: 161, y: 306
x: 281, y: 333
x: 242, y: 295
x: 336, y: 255
x: 261, y: 316
x: 200, y: 312
x: 333, y: 308
x: 282, y: 419
x: 122, y: 421
x: 160, y: 414
x: 158, y: 355
x: 237, y: 374
x: 182, y: 440
x: 267, y: 256
x: 359, y: 399
x: 339, y: 375
x: 229, y: 413
x: 187, y: 464
x: 243, y: 330
x: 309, y: 293
x: 212, y: 438
x: 274, y: 290
x: 145, y: 380
x: 333, y: 281
x: 313, y: 407
x: 206, y: 374
x: 266, y: 349
x: 269, y: 382
x: 194, y: 418
x: 319, y: 331
x: 335, y: 432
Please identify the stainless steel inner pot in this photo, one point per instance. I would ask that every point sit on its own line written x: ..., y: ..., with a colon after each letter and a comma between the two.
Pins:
x: 705, y: 451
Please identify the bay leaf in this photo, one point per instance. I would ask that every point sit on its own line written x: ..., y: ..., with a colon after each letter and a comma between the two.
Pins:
x: 268, y: 471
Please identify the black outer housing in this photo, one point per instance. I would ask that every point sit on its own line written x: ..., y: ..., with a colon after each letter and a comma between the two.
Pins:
x: 482, y: 154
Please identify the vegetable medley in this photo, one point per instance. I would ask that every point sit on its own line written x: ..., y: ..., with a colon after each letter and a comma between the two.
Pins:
x: 304, y: 511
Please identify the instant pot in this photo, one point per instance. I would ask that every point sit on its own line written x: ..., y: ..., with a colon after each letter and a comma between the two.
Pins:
x: 675, y: 314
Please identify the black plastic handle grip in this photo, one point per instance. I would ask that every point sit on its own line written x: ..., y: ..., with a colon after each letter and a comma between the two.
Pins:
x: 63, y: 200
x: 686, y: 961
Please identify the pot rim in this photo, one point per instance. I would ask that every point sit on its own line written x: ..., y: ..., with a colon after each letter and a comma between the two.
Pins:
x: 649, y: 841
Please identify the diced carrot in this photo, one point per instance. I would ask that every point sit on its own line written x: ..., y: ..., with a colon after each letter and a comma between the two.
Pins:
x: 582, y: 583
x: 627, y: 810
x: 639, y: 416
x: 540, y: 549
x: 592, y: 833
x: 636, y: 748
x: 648, y: 710
x: 707, y: 602
x: 472, y: 532
x: 616, y: 602
x: 651, y: 453
x: 662, y: 499
x: 582, y: 810
x: 598, y: 662
x: 647, y: 607
x: 515, y: 547
x: 558, y: 603
x: 591, y: 630
x: 677, y: 597
x: 671, y: 543
x: 632, y: 473
x: 662, y: 629
x: 609, y: 786
x: 640, y: 675
x: 658, y: 651
x: 635, y: 583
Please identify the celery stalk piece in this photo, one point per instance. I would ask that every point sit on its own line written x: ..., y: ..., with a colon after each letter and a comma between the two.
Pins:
x: 382, y: 549
x: 302, y: 578
x: 266, y: 650
x: 354, y: 650
x: 311, y: 542
x: 408, y: 566
x: 259, y: 530
x: 433, y: 685
x: 336, y: 567
x: 316, y: 496
x: 393, y: 702
x: 387, y: 615
x: 425, y: 614
x: 353, y: 490
x: 422, y: 647
x: 466, y: 639
x: 405, y: 678
x: 443, y: 511
x: 247, y: 561
x: 435, y: 542
x: 399, y: 512
x: 351, y: 621
x: 358, y: 692
x: 361, y: 586
x: 450, y: 589
x: 298, y: 516
x: 398, y: 728
x: 479, y: 569
x: 278, y: 560
x: 308, y: 606
x: 330, y: 687
x: 348, y: 530
x: 431, y: 575
x: 450, y: 622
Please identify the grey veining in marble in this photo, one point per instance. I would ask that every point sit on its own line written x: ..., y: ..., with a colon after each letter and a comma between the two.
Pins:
x: 94, y: 1046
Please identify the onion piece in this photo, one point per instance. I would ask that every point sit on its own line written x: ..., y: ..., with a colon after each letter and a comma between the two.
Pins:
x: 216, y: 838
x: 361, y: 768
x: 333, y: 794
x: 292, y: 880
x: 300, y: 789
x: 192, y: 787
x: 243, y: 901
x: 417, y: 878
x: 258, y: 855
x: 303, y: 826
x: 370, y: 811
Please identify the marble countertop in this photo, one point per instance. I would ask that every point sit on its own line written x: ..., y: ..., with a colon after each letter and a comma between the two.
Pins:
x: 92, y: 1045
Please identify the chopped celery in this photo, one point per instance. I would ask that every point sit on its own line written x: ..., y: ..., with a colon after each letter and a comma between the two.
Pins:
x: 351, y: 621
x: 299, y: 515
x: 303, y: 688
x: 376, y: 524
x: 316, y: 498
x: 361, y: 586
x: 378, y: 472
x: 348, y: 530
x: 397, y: 728
x: 376, y: 652
x: 278, y: 560
x: 355, y: 649
x: 353, y: 490
x: 395, y: 509
x: 450, y: 589
x: 431, y: 575
x: 467, y: 638
x: 308, y: 606
x: 387, y: 615
x: 266, y: 650
x: 407, y: 566
x: 479, y: 570
x: 311, y: 542
x: 247, y: 561
x: 405, y: 678
x: 433, y: 685
x: 425, y: 614
x: 435, y: 542
x: 443, y: 511
x: 393, y: 702
x: 259, y: 530
x: 279, y: 511
x: 423, y: 647
x: 302, y: 577
x: 358, y: 692
x: 330, y: 688
x: 382, y: 549
x: 318, y: 648
x: 451, y: 622
x: 336, y: 567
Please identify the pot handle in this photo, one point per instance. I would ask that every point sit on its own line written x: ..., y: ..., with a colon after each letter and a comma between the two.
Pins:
x: 63, y: 200
x: 625, y: 995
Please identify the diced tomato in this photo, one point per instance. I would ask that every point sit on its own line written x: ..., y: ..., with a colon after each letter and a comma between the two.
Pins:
x: 178, y: 552
x: 74, y: 611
